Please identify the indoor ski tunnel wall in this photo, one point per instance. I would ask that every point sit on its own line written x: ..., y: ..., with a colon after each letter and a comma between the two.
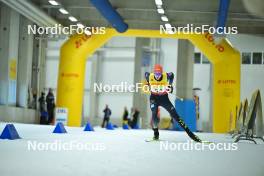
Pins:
x: 224, y: 58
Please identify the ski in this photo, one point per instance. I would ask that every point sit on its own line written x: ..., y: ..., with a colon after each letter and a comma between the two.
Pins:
x: 159, y: 140
x: 207, y: 142
x: 153, y: 140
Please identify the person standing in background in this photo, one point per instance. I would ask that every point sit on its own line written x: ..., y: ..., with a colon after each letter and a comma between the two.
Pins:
x: 107, y: 113
x: 42, y: 102
x: 125, y: 116
x: 130, y: 116
x: 50, y: 100
x: 42, y: 109
x: 134, y: 121
x: 34, y: 103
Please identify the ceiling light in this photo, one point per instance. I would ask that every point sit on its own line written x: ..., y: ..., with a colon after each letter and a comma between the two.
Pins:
x: 171, y: 31
x: 158, y: 2
x: 52, y: 2
x: 164, y: 18
x: 73, y: 19
x: 160, y: 11
x: 168, y: 26
x: 63, y: 11
x: 80, y: 25
x: 87, y: 32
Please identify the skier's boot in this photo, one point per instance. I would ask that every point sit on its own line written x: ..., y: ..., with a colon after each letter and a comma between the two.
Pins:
x: 156, y: 134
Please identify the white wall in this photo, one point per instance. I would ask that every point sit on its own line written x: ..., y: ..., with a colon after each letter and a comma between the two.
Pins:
x: 117, y: 66
x: 20, y: 115
x: 201, y: 76
x: 114, y: 73
x: 87, y: 88
x: 246, y: 43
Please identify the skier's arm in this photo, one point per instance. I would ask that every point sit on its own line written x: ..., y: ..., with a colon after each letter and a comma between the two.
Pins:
x: 147, y: 79
x: 170, y: 77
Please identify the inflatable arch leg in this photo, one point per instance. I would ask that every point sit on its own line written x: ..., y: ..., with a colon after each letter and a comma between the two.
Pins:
x: 226, y: 79
x: 73, y: 56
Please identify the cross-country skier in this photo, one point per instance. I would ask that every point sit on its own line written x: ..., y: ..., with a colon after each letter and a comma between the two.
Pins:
x: 160, y: 84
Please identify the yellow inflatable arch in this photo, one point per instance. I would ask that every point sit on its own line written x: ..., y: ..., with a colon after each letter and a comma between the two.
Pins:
x: 224, y: 58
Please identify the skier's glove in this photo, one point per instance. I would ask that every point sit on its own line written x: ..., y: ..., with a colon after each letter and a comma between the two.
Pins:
x: 170, y: 88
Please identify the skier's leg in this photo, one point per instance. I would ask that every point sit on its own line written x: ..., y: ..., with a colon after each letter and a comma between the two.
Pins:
x: 170, y: 108
x: 103, y: 123
x: 50, y: 116
x: 155, y: 120
x: 107, y: 120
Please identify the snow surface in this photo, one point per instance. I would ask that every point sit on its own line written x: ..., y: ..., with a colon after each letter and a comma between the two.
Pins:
x: 125, y: 154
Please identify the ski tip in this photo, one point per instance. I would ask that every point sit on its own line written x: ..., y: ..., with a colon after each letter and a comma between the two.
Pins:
x: 207, y: 142
x: 153, y: 140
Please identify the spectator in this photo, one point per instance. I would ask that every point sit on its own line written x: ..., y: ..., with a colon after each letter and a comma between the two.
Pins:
x: 134, y: 122
x: 125, y: 116
x: 50, y: 106
x: 32, y: 99
x: 34, y: 103
x: 42, y: 102
x: 42, y: 109
x: 131, y: 114
x: 107, y: 113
